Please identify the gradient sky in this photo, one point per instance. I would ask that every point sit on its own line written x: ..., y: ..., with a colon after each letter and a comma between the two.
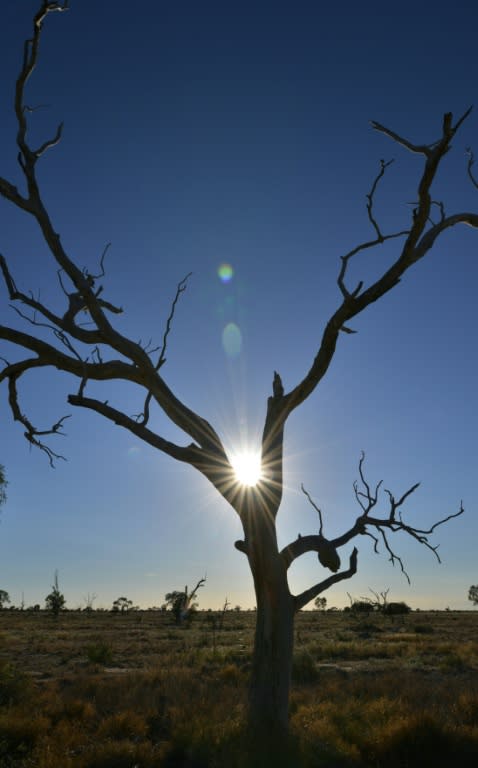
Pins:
x: 206, y: 133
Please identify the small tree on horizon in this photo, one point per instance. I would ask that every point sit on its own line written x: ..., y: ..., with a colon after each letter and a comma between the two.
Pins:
x: 122, y: 605
x: 55, y: 601
x: 4, y: 598
x: 183, y: 603
x: 101, y: 353
x: 473, y: 594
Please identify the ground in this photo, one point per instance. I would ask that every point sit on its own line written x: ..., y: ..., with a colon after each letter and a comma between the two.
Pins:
x: 105, y: 690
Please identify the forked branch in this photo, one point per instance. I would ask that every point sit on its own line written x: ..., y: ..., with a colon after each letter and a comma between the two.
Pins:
x: 143, y: 417
x: 379, y: 239
x: 377, y: 528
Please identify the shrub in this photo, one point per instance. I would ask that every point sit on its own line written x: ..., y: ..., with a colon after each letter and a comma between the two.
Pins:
x: 304, y: 668
x: 395, y: 609
x: 362, y: 606
x: 412, y: 740
x: 423, y: 629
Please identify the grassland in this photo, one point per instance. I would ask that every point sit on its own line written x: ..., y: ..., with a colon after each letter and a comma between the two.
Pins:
x: 102, y: 690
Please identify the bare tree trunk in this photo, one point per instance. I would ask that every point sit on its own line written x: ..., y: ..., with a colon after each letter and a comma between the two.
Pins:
x: 272, y: 657
x: 271, y: 663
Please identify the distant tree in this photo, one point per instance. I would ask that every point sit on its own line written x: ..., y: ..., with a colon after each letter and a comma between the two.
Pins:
x: 381, y: 600
x: 223, y: 612
x: 123, y: 605
x: 102, y: 353
x: 55, y: 601
x: 361, y: 606
x: 3, y: 485
x: 89, y: 600
x: 395, y: 609
x: 183, y: 604
x: 320, y: 603
x: 473, y: 594
x: 4, y: 598
x: 379, y: 603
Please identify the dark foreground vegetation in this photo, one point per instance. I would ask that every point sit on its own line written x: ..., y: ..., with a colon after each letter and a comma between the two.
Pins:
x: 132, y: 690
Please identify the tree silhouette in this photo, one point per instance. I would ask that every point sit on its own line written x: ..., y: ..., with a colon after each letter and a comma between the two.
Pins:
x: 55, y: 601
x: 100, y: 353
x: 122, y: 604
x: 183, y: 604
x: 473, y: 594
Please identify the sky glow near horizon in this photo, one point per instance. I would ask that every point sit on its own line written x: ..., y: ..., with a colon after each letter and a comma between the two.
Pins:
x: 235, y: 143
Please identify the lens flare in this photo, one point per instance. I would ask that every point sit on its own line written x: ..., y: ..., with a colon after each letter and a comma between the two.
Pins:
x: 225, y: 272
x: 232, y: 340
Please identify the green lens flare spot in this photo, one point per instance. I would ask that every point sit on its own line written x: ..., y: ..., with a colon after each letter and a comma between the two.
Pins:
x: 225, y: 273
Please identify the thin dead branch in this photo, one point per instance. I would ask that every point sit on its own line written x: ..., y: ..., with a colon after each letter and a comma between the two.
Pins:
x: 471, y: 161
x: 143, y: 417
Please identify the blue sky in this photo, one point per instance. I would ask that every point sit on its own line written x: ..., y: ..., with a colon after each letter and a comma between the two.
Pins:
x: 198, y: 134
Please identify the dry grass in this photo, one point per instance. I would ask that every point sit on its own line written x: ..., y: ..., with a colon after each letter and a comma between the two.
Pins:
x: 111, y: 691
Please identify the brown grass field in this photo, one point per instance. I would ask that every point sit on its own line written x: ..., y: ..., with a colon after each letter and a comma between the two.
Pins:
x: 104, y: 690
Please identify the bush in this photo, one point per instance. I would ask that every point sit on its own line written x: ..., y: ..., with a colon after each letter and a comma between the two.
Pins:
x: 425, y: 737
x: 395, y: 609
x: 423, y: 629
x: 362, y: 606
x: 304, y: 668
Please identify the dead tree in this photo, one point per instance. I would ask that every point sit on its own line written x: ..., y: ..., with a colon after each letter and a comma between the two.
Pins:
x: 183, y: 603
x: 113, y: 356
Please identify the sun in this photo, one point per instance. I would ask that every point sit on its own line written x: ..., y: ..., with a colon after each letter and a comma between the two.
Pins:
x: 247, y: 467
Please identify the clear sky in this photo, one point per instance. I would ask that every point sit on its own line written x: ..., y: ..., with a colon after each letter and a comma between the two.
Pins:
x: 206, y: 133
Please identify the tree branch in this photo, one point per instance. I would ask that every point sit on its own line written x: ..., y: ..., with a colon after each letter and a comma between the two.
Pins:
x: 392, y: 523
x: 143, y: 417
x: 185, y: 453
x: 471, y: 161
x: 418, y: 242
x: 300, y: 601
x: 32, y: 434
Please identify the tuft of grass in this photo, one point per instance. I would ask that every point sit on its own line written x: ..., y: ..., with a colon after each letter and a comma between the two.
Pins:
x: 421, y: 735
x: 14, y: 685
x: 122, y: 754
x: 123, y: 725
x: 304, y: 668
x: 423, y: 629
x: 99, y: 653
x: 18, y: 736
x: 230, y: 674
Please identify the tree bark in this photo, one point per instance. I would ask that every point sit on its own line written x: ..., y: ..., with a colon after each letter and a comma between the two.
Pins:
x: 273, y: 644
